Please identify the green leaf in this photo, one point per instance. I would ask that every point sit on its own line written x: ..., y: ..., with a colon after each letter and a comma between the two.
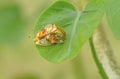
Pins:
x: 26, y: 76
x: 11, y: 24
x: 113, y: 15
x: 79, y: 26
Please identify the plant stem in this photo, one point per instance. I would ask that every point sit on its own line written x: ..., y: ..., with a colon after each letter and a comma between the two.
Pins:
x: 104, y: 56
x: 99, y: 65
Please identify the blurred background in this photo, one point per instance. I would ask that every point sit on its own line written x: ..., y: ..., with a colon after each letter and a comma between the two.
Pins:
x: 19, y: 59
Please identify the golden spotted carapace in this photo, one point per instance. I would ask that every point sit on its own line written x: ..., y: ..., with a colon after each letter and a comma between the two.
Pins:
x: 50, y: 34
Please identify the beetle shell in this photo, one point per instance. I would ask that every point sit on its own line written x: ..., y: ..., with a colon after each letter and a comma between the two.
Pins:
x: 50, y: 34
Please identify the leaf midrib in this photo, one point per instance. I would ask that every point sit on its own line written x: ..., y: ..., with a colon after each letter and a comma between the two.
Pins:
x: 73, y: 32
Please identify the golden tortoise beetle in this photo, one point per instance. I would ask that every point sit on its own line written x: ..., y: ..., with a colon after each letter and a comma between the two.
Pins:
x: 50, y: 34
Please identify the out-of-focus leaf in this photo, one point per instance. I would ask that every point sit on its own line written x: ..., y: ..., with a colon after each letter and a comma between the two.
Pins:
x: 79, y: 26
x: 25, y: 76
x: 11, y: 24
x: 113, y: 15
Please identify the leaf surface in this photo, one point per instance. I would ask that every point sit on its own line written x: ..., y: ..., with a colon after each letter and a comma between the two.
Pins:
x: 79, y: 26
x: 113, y: 16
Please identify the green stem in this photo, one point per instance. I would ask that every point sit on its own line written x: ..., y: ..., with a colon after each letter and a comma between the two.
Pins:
x: 104, y: 55
x: 99, y: 65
